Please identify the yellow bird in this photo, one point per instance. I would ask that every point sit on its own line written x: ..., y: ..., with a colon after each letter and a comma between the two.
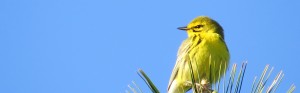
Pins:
x: 207, y: 52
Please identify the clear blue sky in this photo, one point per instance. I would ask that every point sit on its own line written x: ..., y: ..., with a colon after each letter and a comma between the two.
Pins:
x: 94, y: 46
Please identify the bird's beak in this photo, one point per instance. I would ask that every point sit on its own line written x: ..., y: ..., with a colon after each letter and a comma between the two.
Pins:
x: 183, y: 28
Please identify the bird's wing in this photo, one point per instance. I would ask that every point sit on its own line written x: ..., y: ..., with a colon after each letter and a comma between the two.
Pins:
x: 180, y: 62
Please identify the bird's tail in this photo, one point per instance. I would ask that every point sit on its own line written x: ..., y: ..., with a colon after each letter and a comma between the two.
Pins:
x: 175, y: 87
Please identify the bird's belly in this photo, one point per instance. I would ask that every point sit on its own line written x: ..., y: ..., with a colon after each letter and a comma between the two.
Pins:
x: 209, y: 61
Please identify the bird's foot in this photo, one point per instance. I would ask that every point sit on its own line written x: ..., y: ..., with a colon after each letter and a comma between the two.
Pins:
x: 203, y: 86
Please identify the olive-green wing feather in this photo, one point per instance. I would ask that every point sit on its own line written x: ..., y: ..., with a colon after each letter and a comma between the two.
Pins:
x: 180, y: 62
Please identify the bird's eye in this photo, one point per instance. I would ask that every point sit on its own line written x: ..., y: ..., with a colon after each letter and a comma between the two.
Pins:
x: 198, y: 26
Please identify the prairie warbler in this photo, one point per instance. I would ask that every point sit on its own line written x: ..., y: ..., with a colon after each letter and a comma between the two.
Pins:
x: 206, y: 51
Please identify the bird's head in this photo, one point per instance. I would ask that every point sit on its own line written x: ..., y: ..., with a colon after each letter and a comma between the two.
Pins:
x: 203, y: 25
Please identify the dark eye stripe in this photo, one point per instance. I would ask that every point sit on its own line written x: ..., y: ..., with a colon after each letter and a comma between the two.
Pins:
x: 198, y: 26
x: 195, y: 30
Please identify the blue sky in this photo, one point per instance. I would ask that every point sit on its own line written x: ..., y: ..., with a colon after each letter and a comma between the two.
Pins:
x: 93, y: 46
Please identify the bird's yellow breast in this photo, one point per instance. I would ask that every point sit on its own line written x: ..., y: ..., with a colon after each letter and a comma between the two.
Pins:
x: 209, y: 58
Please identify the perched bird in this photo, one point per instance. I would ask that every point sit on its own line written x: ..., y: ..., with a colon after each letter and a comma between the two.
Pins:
x: 206, y: 51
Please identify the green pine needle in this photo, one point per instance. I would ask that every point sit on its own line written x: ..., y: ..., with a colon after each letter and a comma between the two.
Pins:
x: 234, y: 83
